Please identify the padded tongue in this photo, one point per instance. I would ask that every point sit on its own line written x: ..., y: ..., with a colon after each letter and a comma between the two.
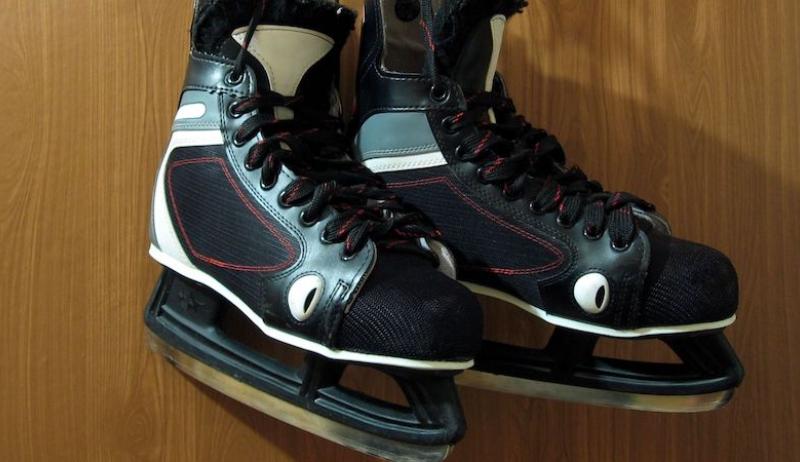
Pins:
x: 286, y: 53
x: 296, y: 43
x: 477, y: 63
x: 469, y: 35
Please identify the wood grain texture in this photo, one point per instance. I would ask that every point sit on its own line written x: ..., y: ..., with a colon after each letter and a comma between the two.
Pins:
x: 691, y: 104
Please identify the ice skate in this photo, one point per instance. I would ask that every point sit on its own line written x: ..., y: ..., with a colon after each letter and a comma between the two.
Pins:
x: 528, y: 229
x: 258, y: 208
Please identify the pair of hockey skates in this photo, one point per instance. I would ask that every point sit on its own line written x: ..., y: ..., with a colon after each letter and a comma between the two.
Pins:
x: 262, y: 205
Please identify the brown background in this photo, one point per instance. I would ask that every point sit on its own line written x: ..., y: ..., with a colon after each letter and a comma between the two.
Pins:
x: 692, y: 104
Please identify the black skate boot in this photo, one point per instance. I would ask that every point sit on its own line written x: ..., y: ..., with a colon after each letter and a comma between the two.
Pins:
x: 434, y: 121
x: 259, y: 208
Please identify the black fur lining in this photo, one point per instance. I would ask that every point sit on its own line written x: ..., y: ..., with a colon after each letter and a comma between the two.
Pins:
x: 215, y: 20
x: 456, y: 18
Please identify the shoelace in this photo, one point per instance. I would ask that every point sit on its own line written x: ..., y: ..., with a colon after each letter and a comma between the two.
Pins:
x: 439, y: 92
x: 312, y: 145
x: 527, y: 162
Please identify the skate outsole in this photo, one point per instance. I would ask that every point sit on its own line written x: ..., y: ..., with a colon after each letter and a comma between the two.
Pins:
x: 293, y: 340
x: 583, y: 395
x: 294, y: 415
x: 643, y: 332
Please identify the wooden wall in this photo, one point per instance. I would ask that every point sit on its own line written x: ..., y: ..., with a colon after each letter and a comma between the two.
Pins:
x: 692, y: 104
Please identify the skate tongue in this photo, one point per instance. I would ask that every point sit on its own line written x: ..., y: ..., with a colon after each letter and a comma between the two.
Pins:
x: 286, y: 55
x: 296, y: 42
x: 476, y: 65
x: 469, y: 35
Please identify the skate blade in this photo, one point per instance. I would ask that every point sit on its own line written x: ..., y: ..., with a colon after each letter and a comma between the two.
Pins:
x: 583, y: 395
x: 296, y: 416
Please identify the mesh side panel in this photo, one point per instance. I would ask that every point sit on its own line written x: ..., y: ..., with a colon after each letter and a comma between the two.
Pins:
x: 217, y: 220
x: 475, y: 232
x: 409, y: 309
x: 688, y: 283
x: 489, y: 249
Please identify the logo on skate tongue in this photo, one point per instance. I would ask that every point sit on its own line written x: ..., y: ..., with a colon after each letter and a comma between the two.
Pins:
x: 591, y: 291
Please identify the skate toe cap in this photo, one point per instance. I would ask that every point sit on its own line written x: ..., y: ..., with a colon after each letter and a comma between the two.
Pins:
x: 688, y: 283
x: 408, y: 309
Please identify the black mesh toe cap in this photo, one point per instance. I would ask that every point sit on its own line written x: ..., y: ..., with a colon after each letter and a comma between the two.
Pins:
x: 688, y: 283
x: 408, y: 309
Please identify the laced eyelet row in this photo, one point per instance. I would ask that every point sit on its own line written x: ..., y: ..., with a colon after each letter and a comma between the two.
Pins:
x: 306, y: 222
x: 546, y: 145
x: 440, y: 93
x: 303, y: 218
x: 586, y: 232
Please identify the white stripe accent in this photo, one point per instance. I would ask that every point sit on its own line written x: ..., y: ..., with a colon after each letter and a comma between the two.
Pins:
x: 399, y: 163
x: 166, y: 238
x: 594, y: 328
x: 285, y: 337
x: 191, y: 111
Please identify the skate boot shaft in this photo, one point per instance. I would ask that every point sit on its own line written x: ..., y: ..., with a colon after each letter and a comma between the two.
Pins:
x: 434, y: 119
x: 259, y: 210
x: 256, y: 199
x: 517, y: 217
x: 208, y: 170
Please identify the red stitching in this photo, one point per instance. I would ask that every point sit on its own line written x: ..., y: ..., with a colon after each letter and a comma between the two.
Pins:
x: 291, y: 193
x: 428, y: 34
x: 285, y: 243
x: 493, y: 166
x: 347, y: 224
x: 483, y: 142
x: 521, y: 232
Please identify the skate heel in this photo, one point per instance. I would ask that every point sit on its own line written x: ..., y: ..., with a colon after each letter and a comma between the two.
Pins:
x: 191, y: 301
x: 179, y: 301
x: 436, y: 403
